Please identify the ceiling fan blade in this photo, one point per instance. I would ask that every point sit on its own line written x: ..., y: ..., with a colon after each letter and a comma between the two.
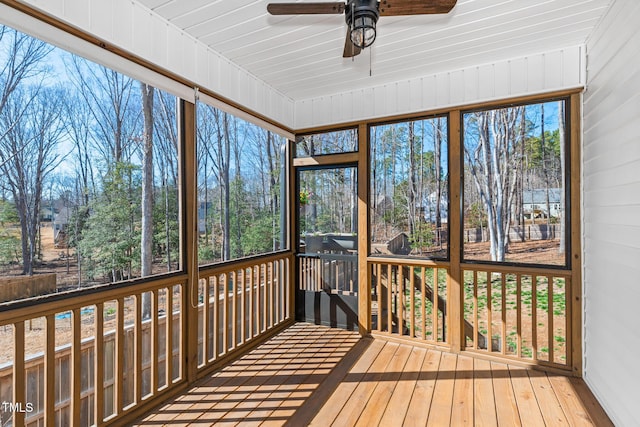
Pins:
x: 305, y: 8
x: 350, y: 50
x: 415, y: 7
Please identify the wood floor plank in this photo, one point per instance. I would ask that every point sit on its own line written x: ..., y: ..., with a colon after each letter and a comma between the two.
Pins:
x: 328, y: 413
x: 423, y: 392
x: 374, y: 409
x: 463, y: 405
x: 530, y: 414
x: 272, y: 410
x: 597, y: 414
x: 306, y: 379
x: 484, y: 410
x: 362, y: 353
x: 442, y: 401
x: 398, y: 406
x: 506, y: 405
x: 547, y: 401
x: 572, y: 406
x: 313, y: 375
x: 353, y: 407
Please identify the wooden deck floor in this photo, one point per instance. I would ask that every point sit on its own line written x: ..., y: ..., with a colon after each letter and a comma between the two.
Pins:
x: 312, y: 375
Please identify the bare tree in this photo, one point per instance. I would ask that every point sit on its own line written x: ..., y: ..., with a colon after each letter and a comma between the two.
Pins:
x: 28, y: 155
x: 563, y: 210
x: 109, y: 96
x: 492, y: 164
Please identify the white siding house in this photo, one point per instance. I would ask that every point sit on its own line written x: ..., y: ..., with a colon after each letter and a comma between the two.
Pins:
x: 611, y: 199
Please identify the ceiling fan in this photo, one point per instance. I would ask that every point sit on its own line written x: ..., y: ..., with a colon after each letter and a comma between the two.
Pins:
x: 362, y: 15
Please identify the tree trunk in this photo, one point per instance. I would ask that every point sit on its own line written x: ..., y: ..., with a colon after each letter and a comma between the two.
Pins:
x: 563, y: 212
x: 438, y: 177
x: 226, y: 189
x: 146, y: 240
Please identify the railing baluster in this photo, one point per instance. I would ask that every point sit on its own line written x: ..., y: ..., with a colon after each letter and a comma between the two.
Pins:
x: 216, y: 315
x: 154, y: 342
x: 489, y: 312
x: 270, y: 304
x: 434, y: 307
x: 550, y: 317
x: 534, y: 316
x: 234, y: 313
x: 380, y: 296
x: 261, y: 315
x: 137, y: 353
x: 503, y: 334
x: 389, y: 300
x: 412, y: 312
x: 169, y: 338
x: 50, y: 371
x: 98, y: 365
x: 76, y: 366
x: 205, y: 320
x: 423, y: 305
x: 225, y: 312
x: 119, y: 359
x: 251, y: 298
x: 568, y: 321
x: 400, y: 300
x: 19, y: 389
x: 476, y: 324
x: 519, y: 312
x: 243, y: 310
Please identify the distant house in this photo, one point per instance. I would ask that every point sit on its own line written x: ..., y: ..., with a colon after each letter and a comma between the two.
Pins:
x: 534, y: 203
x: 47, y: 214
x: 60, y: 225
x: 204, y: 210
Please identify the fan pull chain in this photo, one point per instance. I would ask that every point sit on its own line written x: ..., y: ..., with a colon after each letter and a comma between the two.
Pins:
x: 370, y: 72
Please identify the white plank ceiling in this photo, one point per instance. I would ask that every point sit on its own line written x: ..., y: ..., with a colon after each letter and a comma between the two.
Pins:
x: 301, y: 56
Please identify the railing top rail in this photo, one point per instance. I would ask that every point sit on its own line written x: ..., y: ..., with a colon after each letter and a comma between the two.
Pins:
x: 345, y: 257
x: 226, y: 267
x: 408, y: 261
x: 517, y: 269
x: 56, y: 303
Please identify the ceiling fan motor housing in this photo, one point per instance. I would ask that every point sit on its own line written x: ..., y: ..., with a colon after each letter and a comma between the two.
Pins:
x: 361, y: 17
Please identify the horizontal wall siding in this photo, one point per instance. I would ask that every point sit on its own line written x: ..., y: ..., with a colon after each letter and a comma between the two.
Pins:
x: 533, y: 74
x: 612, y: 212
x: 135, y: 29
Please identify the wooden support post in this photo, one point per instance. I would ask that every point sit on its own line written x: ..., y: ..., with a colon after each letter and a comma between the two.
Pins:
x: 187, y: 118
x: 292, y: 218
x: 364, y: 279
x: 574, y: 323
x: 455, y: 309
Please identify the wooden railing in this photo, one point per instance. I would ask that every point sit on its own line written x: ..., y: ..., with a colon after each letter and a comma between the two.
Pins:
x: 332, y: 273
x: 35, y: 367
x: 409, y: 300
x: 49, y: 353
x: 240, y: 302
x: 97, y: 358
x: 525, y: 313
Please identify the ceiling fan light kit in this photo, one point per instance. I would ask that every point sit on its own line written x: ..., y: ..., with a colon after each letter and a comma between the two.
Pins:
x: 362, y: 15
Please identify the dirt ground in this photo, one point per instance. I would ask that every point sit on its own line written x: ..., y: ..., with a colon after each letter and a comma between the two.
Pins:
x: 530, y: 252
